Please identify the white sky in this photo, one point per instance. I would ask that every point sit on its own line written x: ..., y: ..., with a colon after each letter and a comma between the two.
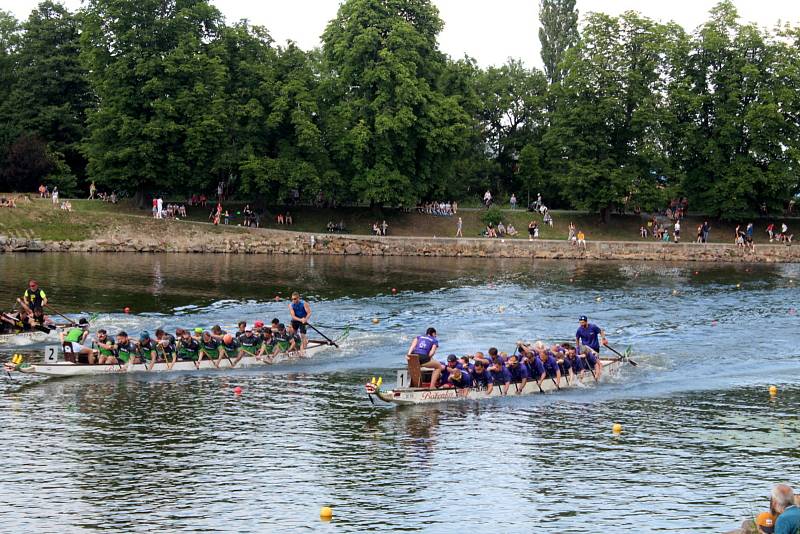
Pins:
x: 489, y: 30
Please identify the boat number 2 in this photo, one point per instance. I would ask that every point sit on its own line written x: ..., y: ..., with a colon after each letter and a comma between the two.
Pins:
x: 51, y: 354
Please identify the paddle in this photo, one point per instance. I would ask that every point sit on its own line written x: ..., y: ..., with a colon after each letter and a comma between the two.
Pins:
x: 588, y: 367
x: 73, y: 323
x: 624, y: 357
x: 329, y: 340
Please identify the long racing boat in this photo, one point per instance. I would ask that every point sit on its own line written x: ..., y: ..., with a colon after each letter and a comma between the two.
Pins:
x: 403, y: 394
x: 54, y: 367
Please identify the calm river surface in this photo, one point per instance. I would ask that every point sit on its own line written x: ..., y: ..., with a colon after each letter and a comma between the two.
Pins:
x: 701, y: 447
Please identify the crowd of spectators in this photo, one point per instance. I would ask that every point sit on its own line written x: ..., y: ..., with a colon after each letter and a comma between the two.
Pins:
x: 439, y: 209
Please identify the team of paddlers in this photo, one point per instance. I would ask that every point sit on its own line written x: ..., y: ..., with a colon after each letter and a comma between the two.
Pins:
x: 261, y: 341
x: 529, y: 362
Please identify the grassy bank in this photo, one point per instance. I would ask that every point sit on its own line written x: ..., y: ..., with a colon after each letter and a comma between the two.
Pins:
x: 37, y: 218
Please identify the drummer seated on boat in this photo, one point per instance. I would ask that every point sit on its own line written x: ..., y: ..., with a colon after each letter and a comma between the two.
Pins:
x: 424, y: 348
x: 458, y: 379
x: 519, y: 372
x: 105, y: 347
x: 73, y: 340
x: 501, y: 377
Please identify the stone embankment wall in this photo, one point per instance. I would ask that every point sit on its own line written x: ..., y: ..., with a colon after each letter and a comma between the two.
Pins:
x: 279, y: 242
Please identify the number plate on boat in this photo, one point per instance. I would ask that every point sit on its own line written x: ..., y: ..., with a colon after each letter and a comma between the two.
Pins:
x: 51, y: 354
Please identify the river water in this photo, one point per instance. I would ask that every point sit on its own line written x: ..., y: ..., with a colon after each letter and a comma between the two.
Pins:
x: 702, y: 443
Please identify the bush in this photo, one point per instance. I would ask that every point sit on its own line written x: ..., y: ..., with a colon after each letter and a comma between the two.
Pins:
x: 492, y: 216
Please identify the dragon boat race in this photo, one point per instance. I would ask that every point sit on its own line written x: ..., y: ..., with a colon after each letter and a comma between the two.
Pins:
x: 383, y: 266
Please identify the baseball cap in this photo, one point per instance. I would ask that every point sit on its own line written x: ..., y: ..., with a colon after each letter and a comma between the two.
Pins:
x: 583, y: 318
x: 765, y: 522
x: 452, y: 358
x: 198, y: 330
x: 259, y: 324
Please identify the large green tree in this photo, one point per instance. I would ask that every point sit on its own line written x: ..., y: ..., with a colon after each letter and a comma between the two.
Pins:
x: 159, y: 121
x: 388, y: 124
x: 558, y: 32
x: 513, y: 115
x: 603, y: 145
x: 9, y: 45
x: 742, y: 137
x: 51, y: 93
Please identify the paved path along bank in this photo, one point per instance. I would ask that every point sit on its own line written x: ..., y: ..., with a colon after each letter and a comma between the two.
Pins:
x: 259, y: 241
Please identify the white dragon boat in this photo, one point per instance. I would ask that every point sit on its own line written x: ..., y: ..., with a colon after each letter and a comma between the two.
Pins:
x: 53, y: 366
x: 405, y: 395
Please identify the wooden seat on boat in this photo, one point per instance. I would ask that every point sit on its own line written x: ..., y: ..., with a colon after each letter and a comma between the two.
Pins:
x: 69, y: 355
x: 420, y: 376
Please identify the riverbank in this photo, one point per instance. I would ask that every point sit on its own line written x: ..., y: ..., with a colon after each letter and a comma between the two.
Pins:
x: 35, y: 226
x: 194, y: 239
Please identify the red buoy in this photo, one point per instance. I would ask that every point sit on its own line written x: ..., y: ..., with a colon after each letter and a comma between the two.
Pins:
x: 394, y: 291
x: 126, y: 309
x: 237, y: 390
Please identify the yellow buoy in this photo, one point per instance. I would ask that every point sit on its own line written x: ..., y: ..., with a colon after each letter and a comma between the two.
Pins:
x: 617, y: 428
x: 773, y: 390
x: 326, y: 513
x: 375, y: 320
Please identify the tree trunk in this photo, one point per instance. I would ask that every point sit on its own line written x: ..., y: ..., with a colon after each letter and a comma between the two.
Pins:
x: 138, y: 198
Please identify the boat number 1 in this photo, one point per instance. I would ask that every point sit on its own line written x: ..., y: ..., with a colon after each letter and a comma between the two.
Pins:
x: 51, y: 354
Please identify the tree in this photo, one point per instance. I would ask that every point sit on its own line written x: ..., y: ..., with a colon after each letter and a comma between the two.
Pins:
x: 51, y: 92
x: 602, y: 143
x: 160, y: 118
x: 742, y: 137
x: 557, y: 34
x: 388, y: 124
x: 513, y: 115
x: 9, y: 44
x: 26, y: 165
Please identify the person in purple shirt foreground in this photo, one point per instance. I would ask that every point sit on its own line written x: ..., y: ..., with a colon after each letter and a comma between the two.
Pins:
x: 459, y: 379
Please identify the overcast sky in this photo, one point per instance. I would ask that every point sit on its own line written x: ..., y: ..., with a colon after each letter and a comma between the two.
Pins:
x: 489, y: 30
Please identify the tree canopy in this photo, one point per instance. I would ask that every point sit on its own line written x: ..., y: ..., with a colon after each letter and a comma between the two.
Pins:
x: 166, y: 96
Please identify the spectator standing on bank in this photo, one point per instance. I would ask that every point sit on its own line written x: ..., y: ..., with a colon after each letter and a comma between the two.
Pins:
x: 459, y: 226
x: 513, y: 201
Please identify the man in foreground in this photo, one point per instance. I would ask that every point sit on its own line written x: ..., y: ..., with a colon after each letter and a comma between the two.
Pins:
x: 783, y: 505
